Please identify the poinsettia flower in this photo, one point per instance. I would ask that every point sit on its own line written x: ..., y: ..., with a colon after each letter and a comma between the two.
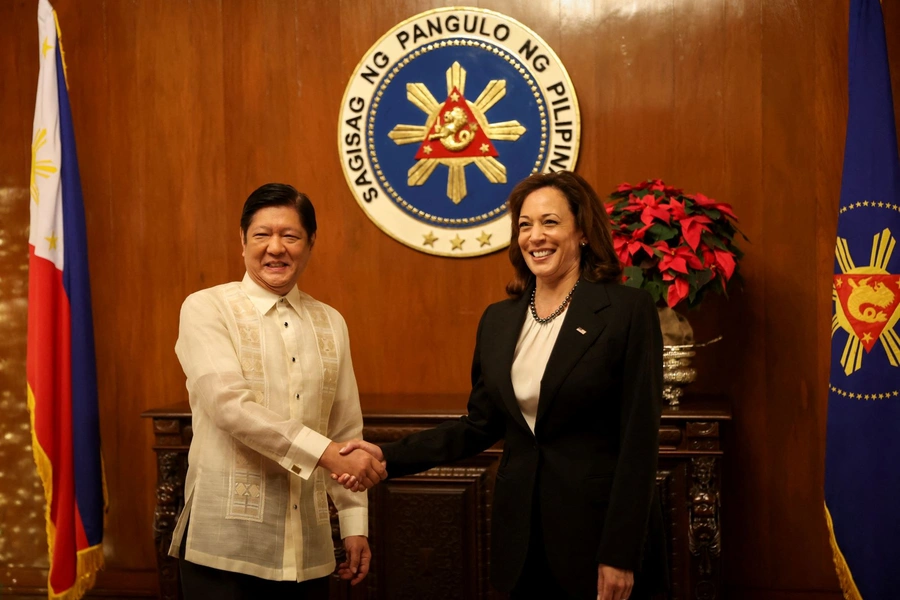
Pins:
x: 678, y: 289
x: 626, y: 245
x: 693, y: 226
x: 709, y: 257
x: 653, y: 209
x: 634, y: 204
x: 620, y: 245
x: 685, y: 240
x: 638, y: 234
x: 725, y: 261
x: 709, y: 203
x: 677, y: 259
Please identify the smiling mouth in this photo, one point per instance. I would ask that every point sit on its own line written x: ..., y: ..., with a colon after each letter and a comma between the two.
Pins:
x: 541, y: 253
x: 276, y: 265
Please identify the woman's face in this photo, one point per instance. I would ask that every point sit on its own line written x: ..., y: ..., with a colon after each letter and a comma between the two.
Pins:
x: 549, y: 238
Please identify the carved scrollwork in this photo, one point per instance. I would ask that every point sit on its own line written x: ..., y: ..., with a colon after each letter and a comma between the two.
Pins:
x: 169, y: 500
x: 704, y: 537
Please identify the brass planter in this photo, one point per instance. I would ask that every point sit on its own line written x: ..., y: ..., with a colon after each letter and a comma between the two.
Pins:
x: 677, y: 371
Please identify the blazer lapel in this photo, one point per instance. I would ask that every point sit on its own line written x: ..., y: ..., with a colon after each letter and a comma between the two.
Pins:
x: 583, y: 323
x: 506, y: 335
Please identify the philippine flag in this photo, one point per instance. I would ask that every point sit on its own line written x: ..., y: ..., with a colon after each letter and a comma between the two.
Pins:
x: 61, y: 373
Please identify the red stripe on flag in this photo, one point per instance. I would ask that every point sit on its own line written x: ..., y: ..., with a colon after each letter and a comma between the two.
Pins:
x: 49, y: 373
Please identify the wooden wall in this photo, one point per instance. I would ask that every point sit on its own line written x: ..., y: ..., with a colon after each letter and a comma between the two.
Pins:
x: 182, y: 108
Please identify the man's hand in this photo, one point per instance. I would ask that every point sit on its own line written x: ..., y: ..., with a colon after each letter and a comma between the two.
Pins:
x: 358, y: 558
x: 347, y: 479
x: 366, y: 470
x: 613, y: 583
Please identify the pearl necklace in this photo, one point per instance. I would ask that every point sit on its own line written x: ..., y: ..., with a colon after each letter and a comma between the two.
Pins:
x: 556, y: 312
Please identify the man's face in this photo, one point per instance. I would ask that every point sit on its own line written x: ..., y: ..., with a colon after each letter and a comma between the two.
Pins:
x: 276, y: 249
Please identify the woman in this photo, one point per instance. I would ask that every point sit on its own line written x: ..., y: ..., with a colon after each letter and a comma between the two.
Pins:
x: 568, y: 372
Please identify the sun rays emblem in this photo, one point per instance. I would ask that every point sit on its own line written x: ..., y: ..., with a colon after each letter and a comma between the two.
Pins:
x: 444, y: 90
x: 865, y: 303
x: 456, y: 133
x: 39, y: 168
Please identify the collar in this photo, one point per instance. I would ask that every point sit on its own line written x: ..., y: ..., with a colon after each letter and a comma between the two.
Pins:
x: 264, y: 300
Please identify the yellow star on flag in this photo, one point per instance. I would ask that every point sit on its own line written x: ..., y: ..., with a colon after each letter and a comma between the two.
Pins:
x: 52, y: 239
x: 867, y: 337
x: 45, y: 47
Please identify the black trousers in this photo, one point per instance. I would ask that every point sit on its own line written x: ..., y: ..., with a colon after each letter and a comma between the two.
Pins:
x: 199, y: 582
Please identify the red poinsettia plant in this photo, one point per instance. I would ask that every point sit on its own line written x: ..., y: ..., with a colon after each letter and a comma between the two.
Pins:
x: 677, y: 246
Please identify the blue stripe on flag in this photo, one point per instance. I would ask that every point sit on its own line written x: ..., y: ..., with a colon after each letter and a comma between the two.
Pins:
x: 76, y: 281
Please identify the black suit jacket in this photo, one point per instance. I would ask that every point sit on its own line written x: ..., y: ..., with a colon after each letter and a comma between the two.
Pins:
x: 591, y: 461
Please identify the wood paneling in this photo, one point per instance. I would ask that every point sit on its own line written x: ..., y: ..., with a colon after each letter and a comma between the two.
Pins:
x: 182, y: 108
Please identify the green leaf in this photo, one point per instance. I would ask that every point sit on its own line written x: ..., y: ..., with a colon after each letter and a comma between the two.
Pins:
x: 662, y: 232
x: 634, y: 276
x: 657, y: 289
x: 713, y: 241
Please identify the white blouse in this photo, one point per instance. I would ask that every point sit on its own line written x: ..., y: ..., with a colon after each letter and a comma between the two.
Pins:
x: 533, y: 350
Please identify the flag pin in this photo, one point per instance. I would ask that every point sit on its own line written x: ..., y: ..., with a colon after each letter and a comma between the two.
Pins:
x: 581, y: 331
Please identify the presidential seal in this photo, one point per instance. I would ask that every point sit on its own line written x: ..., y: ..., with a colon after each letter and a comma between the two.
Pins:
x: 866, y: 301
x: 443, y: 116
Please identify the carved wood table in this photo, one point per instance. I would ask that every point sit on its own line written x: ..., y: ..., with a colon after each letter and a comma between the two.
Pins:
x: 430, y: 533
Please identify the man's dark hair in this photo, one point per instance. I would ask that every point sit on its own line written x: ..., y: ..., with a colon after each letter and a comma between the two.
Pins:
x: 279, y: 194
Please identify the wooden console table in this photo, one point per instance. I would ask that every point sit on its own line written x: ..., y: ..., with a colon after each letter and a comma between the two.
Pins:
x: 430, y: 533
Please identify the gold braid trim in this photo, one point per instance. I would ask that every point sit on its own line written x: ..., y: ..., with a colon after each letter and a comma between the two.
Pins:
x: 845, y: 577
x: 89, y: 560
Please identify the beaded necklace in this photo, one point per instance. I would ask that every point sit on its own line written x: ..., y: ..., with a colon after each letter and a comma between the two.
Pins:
x: 556, y: 312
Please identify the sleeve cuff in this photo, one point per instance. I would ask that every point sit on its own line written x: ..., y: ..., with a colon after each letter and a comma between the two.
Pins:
x: 306, y: 450
x: 354, y: 521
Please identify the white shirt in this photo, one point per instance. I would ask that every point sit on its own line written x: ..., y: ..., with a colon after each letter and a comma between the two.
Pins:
x: 270, y: 382
x: 533, y: 350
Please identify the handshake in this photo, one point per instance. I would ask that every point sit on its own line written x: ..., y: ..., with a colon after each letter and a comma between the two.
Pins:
x: 357, y: 465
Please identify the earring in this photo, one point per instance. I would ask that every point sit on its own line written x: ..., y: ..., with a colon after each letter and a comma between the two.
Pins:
x: 583, y: 244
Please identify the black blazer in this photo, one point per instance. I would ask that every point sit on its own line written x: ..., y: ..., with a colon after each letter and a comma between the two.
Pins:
x: 591, y: 462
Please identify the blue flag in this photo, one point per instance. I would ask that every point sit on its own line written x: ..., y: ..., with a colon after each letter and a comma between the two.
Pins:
x: 862, y: 462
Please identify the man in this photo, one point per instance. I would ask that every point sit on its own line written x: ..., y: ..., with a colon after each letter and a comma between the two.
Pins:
x: 271, y: 384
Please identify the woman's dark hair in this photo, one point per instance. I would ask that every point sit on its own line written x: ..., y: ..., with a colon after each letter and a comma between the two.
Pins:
x: 279, y: 194
x: 598, y: 257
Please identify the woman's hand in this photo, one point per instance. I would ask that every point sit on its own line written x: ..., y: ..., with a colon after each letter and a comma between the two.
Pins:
x: 613, y: 583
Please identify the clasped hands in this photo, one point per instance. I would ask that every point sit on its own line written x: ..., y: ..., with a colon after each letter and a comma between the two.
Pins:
x: 357, y: 465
